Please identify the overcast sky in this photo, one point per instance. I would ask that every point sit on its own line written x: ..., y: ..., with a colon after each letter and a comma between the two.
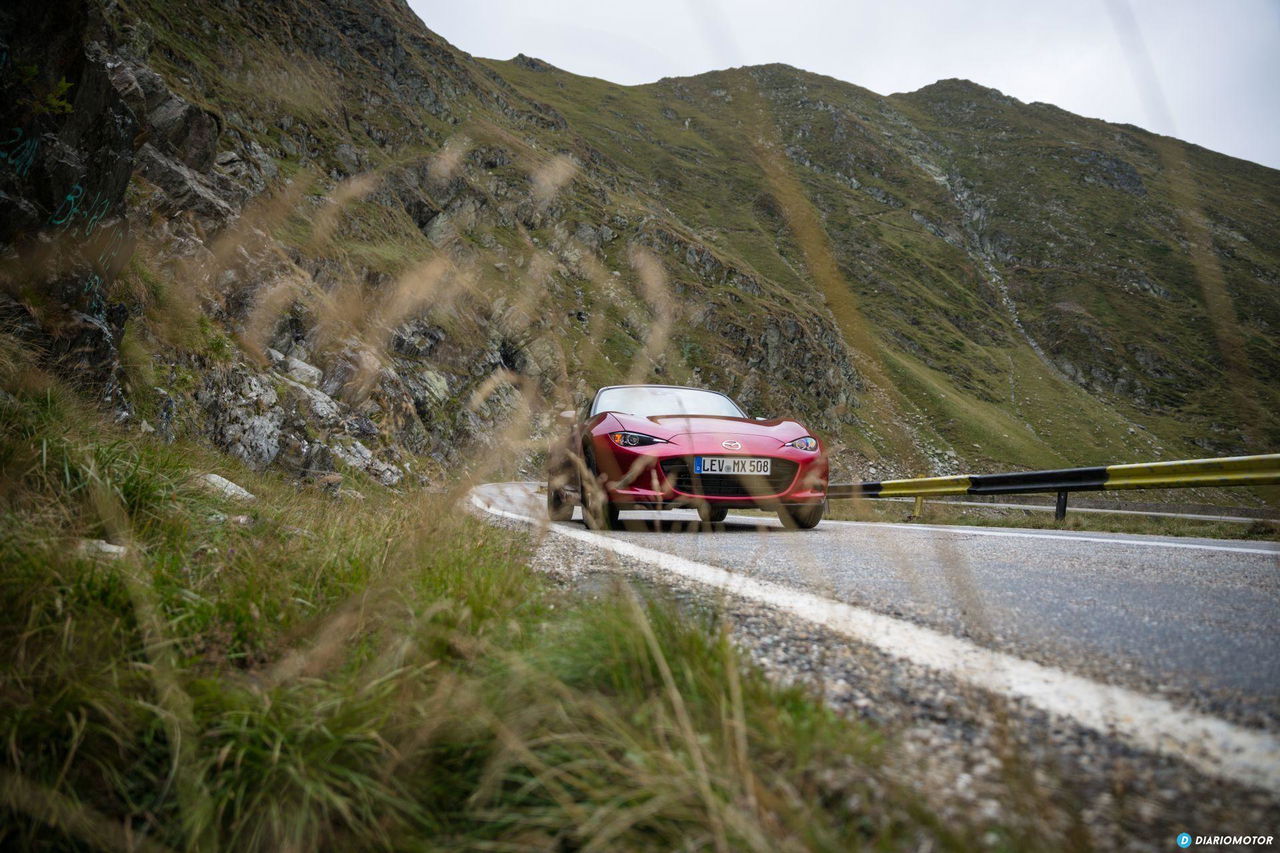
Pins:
x: 1204, y: 71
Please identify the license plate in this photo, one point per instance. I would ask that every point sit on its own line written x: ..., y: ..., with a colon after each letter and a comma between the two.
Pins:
x: 738, y: 465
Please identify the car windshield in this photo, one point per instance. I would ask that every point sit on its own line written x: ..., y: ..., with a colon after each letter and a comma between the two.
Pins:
x: 649, y: 401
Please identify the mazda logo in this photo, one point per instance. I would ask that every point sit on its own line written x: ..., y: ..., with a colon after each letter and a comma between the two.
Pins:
x: 731, y: 445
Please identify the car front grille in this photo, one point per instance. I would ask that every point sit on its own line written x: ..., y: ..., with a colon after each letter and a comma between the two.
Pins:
x: 679, y: 472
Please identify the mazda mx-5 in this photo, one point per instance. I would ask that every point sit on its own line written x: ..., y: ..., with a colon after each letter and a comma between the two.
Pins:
x: 653, y: 447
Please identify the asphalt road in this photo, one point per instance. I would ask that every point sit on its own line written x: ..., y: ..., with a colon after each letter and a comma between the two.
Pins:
x: 1194, y: 621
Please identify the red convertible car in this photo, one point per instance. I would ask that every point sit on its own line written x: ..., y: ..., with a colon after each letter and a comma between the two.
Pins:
x: 664, y: 446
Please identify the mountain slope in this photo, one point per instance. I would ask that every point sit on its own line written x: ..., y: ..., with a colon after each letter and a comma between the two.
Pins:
x: 941, y: 280
x: 1007, y: 254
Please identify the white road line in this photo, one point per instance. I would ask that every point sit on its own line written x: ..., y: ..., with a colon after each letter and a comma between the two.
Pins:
x: 1156, y: 543
x: 1215, y: 747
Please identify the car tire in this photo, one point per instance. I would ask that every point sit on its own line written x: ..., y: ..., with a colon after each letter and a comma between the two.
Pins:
x: 712, y: 514
x: 802, y: 517
x: 559, y: 507
x: 599, y: 513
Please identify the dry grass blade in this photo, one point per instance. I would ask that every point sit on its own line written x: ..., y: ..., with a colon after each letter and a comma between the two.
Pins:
x: 738, y: 722
x: 447, y: 162
x: 552, y: 177
x: 173, y: 704
x: 820, y: 261
x: 265, y: 314
x: 73, y: 818
x: 691, y: 742
x: 657, y: 294
x: 327, y: 646
x: 249, y: 235
x: 1192, y: 218
x: 326, y: 220
x: 546, y: 775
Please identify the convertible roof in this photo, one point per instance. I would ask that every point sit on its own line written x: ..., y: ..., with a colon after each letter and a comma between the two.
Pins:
x: 656, y: 385
x: 604, y: 388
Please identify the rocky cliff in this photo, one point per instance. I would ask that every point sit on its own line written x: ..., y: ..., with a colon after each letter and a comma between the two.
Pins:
x: 327, y: 240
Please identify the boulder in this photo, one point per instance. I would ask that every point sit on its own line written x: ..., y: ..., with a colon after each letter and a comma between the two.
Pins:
x: 101, y: 549
x: 222, y: 486
x: 303, y: 372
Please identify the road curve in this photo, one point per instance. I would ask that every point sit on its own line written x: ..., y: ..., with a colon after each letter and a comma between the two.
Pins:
x: 1192, y: 624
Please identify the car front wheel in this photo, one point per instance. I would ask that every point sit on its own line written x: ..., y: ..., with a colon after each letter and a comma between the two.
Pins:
x: 802, y: 517
x: 598, y: 512
x: 711, y: 514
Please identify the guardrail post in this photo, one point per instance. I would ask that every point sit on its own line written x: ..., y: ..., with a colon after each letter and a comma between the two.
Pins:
x: 919, y: 506
x: 1060, y: 508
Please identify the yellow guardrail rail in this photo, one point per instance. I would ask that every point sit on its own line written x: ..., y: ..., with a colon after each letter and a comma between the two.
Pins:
x: 1261, y: 470
x: 926, y: 486
x: 1227, y: 471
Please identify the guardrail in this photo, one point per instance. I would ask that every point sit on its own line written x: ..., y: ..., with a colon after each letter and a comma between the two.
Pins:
x: 1261, y: 470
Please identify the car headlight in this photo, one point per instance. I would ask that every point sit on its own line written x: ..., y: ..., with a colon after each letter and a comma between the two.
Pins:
x: 808, y: 443
x: 634, y: 439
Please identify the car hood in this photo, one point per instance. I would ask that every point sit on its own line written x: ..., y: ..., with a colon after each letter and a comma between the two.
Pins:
x: 671, y: 426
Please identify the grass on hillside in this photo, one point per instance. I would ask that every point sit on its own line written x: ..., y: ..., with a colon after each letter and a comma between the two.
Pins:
x: 935, y: 320
x: 303, y: 672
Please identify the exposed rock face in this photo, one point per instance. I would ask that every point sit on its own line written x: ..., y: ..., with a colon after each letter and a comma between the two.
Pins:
x: 184, y: 188
x: 244, y: 416
x: 123, y: 122
x: 63, y: 174
x: 180, y: 129
x: 1112, y: 171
